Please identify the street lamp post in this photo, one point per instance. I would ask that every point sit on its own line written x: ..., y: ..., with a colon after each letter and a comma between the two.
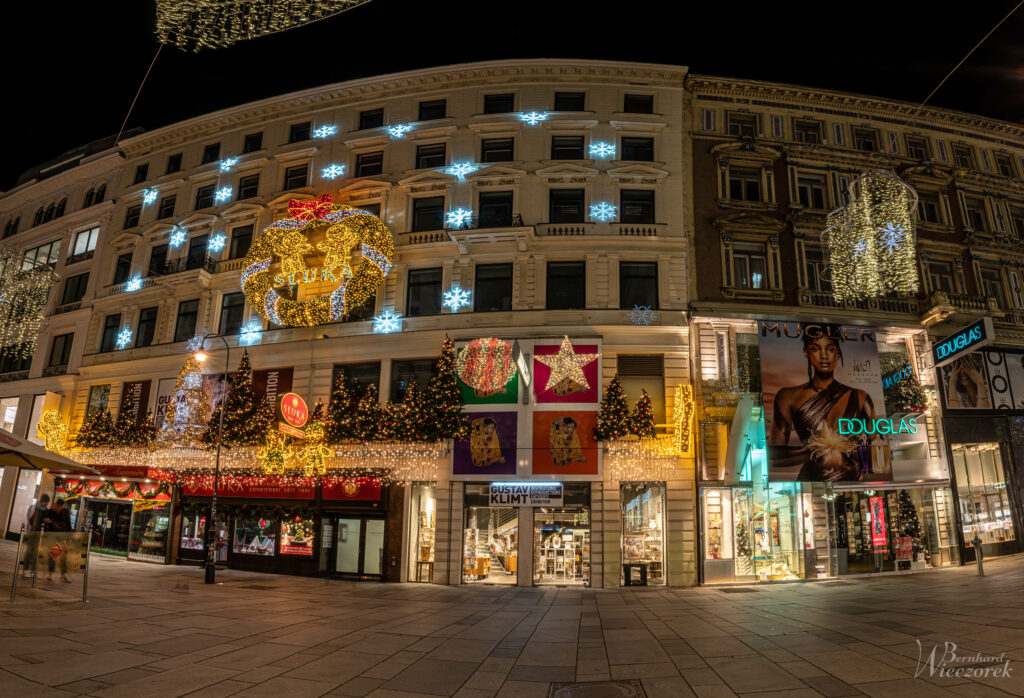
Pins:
x: 211, y: 528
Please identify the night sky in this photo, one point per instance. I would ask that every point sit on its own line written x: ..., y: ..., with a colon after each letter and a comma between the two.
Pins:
x: 71, y: 69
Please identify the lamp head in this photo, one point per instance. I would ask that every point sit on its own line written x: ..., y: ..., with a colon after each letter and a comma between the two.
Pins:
x: 200, y: 356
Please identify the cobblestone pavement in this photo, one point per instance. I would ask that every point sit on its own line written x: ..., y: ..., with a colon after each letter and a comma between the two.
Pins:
x: 150, y: 630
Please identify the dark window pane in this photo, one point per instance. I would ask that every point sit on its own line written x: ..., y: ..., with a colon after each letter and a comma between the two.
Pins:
x: 566, y: 285
x: 173, y: 163
x: 248, y: 186
x: 497, y: 149
x: 241, y: 240
x: 567, y: 148
x: 358, y: 376
x: 493, y: 288
x: 638, y: 149
x: 369, y: 164
x: 433, y: 109
x: 60, y: 350
x: 433, y: 155
x: 166, y: 209
x: 157, y: 260
x: 211, y: 153
x: 495, y: 209
x: 74, y: 288
x: 197, y: 251
x: 404, y: 373
x: 637, y: 205
x: 565, y: 206
x: 147, y: 327
x: 370, y: 208
x: 111, y: 326
x: 570, y: 101
x: 427, y: 213
x: 638, y: 104
x: 185, y: 327
x: 298, y: 132
x: 500, y: 103
x: 131, y: 216
x: 141, y: 173
x: 296, y: 176
x: 371, y: 118
x: 253, y: 142
x: 232, y: 310
x: 204, y: 196
x: 122, y: 268
x: 638, y: 284
x: 424, y: 296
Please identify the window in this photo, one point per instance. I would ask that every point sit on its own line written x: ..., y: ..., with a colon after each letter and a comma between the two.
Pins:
x: 570, y: 101
x: 974, y: 214
x: 986, y: 507
x: 427, y: 213
x: 638, y: 284
x: 567, y: 148
x: 60, y: 350
x: 12, y: 225
x: 369, y: 164
x: 147, y: 327
x: 985, y: 161
x: 424, y: 294
x: 806, y: 131
x: 638, y: 149
x: 197, y: 251
x: 744, y: 184
x: 566, y: 285
x: 166, y: 207
x: 565, y: 205
x: 15, y: 363
x: 433, y: 109
x: 865, y: 139
x: 992, y: 284
x: 248, y: 186
x: 371, y: 118
x: 928, y: 207
x: 637, y: 205
x: 940, y: 277
x: 493, y: 288
x: 495, y: 209
x: 1017, y: 220
x: 299, y: 132
x: 204, y: 196
x: 185, y: 326
x: 359, y: 376
x: 750, y: 265
x: 638, y: 104
x: 74, y: 288
x: 962, y: 156
x: 743, y: 125
x: 173, y: 163
x: 817, y: 277
x: 404, y: 373
x: 241, y: 240
x: 497, y: 149
x: 85, y: 241
x: 707, y: 119
x: 640, y: 372
x: 943, y: 156
x: 122, y: 268
x: 232, y: 312
x: 917, y: 148
x: 211, y: 153
x: 111, y: 326
x: 296, y: 176
x: 141, y: 173
x: 100, y: 193
x: 1005, y: 165
x: 370, y: 208
x: 811, y: 190
x: 86, y: 203
x: 432, y: 155
x: 48, y: 215
x: 776, y: 122
x: 157, y: 260
x: 132, y: 215
x: 42, y: 255
x: 252, y: 142
x: 500, y: 103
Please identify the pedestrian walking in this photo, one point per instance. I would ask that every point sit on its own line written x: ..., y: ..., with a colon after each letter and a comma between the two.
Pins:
x: 34, y: 523
x: 58, y: 519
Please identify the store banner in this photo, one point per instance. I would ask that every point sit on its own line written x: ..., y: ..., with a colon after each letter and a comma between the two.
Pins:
x: 272, y: 383
x: 164, y: 395
x: 823, y: 401
x: 490, y: 448
x: 351, y: 488
x: 965, y: 383
x: 564, y: 444
x: 557, y: 369
x: 255, y: 487
x: 297, y: 537
x: 879, y: 534
x: 135, y: 400
x: 526, y: 494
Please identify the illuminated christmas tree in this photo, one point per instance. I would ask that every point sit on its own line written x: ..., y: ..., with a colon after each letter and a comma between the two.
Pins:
x: 444, y: 399
x: 418, y: 427
x: 613, y: 418
x: 340, y: 410
x: 247, y: 416
x: 641, y: 421
x: 742, y: 538
x: 368, y: 419
x: 185, y: 417
x: 97, y: 430
x: 907, y: 524
x: 404, y: 421
x: 128, y: 432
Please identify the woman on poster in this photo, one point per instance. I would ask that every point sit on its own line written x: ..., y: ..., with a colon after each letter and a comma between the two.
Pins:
x: 813, y: 409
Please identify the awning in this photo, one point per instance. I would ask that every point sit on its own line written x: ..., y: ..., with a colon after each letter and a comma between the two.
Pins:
x: 22, y: 453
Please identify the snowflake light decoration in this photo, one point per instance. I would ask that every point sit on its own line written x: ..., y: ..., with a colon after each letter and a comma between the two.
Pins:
x: 461, y: 169
x: 459, y: 217
x: 251, y: 333
x: 602, y: 211
x: 456, y: 298
x: 533, y: 118
x: 325, y: 131
x: 892, y: 235
x: 133, y: 284
x: 148, y: 196
x: 642, y: 315
x: 223, y: 194
x: 216, y: 243
x: 332, y: 171
x: 177, y: 237
x: 124, y: 338
x: 860, y: 247
x: 602, y: 150
x: 386, y: 323
x: 227, y: 163
x: 399, y: 130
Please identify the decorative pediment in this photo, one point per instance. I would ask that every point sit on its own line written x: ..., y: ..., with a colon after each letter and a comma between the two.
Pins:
x: 750, y: 221
x: 649, y: 126
x: 495, y: 127
x: 367, y: 142
x: 746, y: 150
x: 240, y: 212
x: 495, y: 176
x: 417, y: 134
x: 569, y: 124
x: 123, y: 240
x: 427, y: 181
x: 198, y: 220
x: 363, y: 190
x: 638, y: 174
x: 297, y: 154
x: 928, y: 173
x: 566, y: 172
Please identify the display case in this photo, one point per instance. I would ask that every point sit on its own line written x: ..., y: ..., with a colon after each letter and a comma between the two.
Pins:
x: 255, y: 536
x: 562, y: 547
x: 150, y: 527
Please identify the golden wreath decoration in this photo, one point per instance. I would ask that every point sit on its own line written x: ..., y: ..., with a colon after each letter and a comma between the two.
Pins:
x: 344, y: 229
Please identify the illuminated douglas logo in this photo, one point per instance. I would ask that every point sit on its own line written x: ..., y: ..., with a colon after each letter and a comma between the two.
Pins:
x: 882, y: 425
x: 969, y: 338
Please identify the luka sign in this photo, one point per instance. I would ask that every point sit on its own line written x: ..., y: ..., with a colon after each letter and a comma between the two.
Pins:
x: 963, y: 342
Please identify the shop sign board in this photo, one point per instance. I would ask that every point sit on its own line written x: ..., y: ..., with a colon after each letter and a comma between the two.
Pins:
x: 526, y: 494
x: 351, y: 488
x: 968, y: 339
x: 292, y: 409
x: 253, y: 487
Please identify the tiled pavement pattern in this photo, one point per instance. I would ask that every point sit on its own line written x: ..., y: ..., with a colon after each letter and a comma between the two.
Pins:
x: 158, y: 631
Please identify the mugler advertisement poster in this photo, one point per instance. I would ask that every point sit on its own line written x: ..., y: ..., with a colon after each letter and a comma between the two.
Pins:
x: 823, y: 402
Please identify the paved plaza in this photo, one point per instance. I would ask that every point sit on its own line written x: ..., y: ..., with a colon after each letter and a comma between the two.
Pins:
x: 154, y: 631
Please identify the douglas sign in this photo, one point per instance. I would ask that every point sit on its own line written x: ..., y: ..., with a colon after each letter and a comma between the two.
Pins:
x: 966, y: 340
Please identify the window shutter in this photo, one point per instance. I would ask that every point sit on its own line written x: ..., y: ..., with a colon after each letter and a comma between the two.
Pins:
x: 776, y: 126
x: 641, y: 364
x: 707, y: 119
x: 837, y: 134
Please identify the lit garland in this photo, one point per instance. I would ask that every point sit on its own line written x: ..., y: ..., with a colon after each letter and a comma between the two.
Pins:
x: 342, y: 229
x: 23, y: 296
x: 566, y: 364
x: 872, y: 241
x: 194, y: 24
x: 486, y: 364
x: 682, y: 416
x: 51, y: 428
x: 644, y: 460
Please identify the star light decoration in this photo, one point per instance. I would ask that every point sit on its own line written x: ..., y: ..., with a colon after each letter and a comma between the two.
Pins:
x: 399, y: 130
x: 602, y: 211
x: 251, y: 333
x: 124, y: 337
x: 216, y: 243
x: 566, y: 364
x: 222, y: 194
x: 148, y: 196
x: 133, y: 284
x: 533, y: 117
x: 602, y: 150
x: 325, y: 131
x: 456, y: 298
x: 459, y: 218
x: 461, y: 169
x: 332, y: 171
x: 386, y: 323
x: 177, y: 237
x: 642, y: 315
x: 227, y: 163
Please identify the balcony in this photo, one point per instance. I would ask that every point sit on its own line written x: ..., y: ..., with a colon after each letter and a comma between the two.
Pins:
x: 13, y: 376
x: 230, y: 265
x: 176, y: 266
x: 55, y: 371
x: 67, y: 308
x: 80, y: 257
x: 641, y: 230
x: 943, y: 305
x: 123, y: 286
x: 824, y: 299
x: 484, y: 222
x: 424, y: 237
x: 564, y: 229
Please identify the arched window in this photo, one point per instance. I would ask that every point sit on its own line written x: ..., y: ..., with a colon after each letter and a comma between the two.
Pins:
x: 17, y: 223
x: 7, y: 228
x: 100, y: 193
x: 60, y: 207
x: 38, y: 217
x: 48, y: 216
x: 88, y: 199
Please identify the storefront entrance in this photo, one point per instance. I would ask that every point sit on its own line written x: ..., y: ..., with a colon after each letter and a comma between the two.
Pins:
x: 353, y: 546
x: 561, y: 547
x: 110, y: 521
x: 491, y: 545
x: 986, y: 505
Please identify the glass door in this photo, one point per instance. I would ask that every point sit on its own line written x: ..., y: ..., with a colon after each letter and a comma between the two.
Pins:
x: 358, y: 546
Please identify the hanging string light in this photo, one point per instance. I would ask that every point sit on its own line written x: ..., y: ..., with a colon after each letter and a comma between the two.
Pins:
x: 644, y: 460
x: 24, y: 289
x: 682, y: 416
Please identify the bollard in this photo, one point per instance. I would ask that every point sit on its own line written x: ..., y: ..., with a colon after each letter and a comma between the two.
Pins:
x: 978, y: 555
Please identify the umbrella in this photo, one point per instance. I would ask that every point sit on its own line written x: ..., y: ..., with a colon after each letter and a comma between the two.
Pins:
x: 22, y: 453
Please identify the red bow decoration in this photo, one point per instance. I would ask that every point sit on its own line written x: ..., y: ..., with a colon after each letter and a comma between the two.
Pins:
x: 308, y: 210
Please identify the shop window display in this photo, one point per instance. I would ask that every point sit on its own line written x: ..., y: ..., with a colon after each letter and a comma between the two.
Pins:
x: 193, y: 531
x: 562, y: 546
x: 297, y: 536
x: 491, y: 545
x: 424, y: 508
x: 985, y: 509
x: 254, y: 536
x: 149, y: 530
x: 643, y: 525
